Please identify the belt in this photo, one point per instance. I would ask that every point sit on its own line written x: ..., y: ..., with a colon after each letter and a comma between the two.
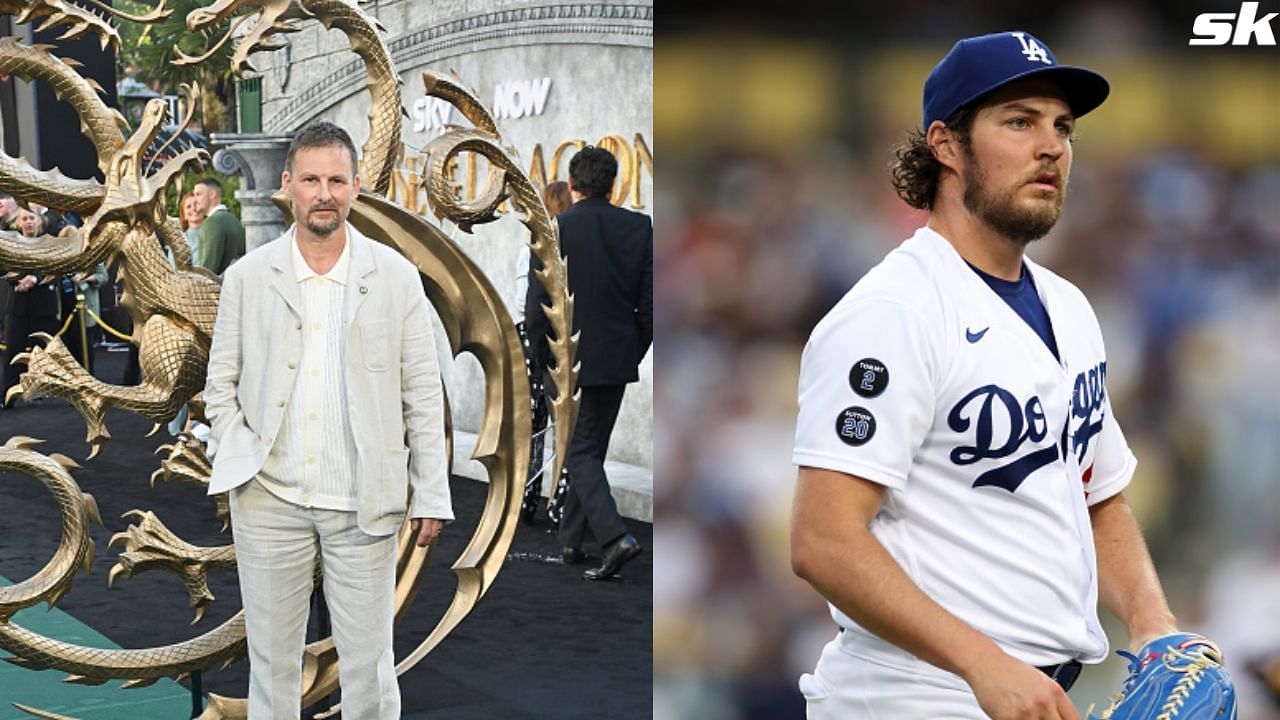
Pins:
x: 1065, y: 674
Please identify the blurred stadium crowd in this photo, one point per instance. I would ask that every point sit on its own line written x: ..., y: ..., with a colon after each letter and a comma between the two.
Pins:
x: 1176, y: 242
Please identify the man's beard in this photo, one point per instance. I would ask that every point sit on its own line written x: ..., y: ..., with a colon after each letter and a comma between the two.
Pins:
x: 326, y: 229
x: 1000, y: 211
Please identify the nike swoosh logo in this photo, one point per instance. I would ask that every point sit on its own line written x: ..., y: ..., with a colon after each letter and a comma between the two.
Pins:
x: 974, y: 337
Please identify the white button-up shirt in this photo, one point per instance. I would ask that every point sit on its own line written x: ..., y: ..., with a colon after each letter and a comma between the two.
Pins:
x: 313, y: 461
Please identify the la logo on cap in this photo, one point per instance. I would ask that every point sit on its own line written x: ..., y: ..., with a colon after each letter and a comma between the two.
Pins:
x: 1032, y: 49
x: 978, y: 65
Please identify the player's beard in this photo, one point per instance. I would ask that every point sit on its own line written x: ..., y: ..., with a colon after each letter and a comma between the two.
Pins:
x: 1000, y: 209
x: 323, y: 229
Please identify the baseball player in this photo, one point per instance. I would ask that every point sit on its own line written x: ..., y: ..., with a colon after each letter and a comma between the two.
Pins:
x: 960, y: 500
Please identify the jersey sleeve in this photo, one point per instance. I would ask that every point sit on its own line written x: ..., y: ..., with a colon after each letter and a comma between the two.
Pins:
x: 1113, y: 463
x: 866, y: 392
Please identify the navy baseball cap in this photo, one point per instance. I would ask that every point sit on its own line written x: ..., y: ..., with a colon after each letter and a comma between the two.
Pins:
x: 978, y: 65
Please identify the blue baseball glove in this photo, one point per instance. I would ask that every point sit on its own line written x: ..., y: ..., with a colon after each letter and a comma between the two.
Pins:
x: 1175, y: 677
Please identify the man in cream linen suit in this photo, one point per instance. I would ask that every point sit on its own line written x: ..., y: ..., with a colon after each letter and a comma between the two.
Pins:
x: 326, y: 409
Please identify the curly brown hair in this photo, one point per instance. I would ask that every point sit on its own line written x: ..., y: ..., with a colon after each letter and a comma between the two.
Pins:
x: 916, y: 171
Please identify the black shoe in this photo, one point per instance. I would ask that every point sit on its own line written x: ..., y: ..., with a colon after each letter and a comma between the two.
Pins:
x: 572, y: 556
x: 618, y: 554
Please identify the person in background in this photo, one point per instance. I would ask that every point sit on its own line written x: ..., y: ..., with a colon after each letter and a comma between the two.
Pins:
x: 69, y: 287
x: 86, y: 284
x: 609, y: 251
x: 8, y: 212
x: 54, y: 223
x: 221, y: 237
x: 191, y: 215
x: 8, y: 219
x: 34, y: 308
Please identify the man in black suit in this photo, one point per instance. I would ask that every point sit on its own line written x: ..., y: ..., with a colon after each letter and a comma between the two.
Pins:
x: 34, y: 308
x: 610, y: 256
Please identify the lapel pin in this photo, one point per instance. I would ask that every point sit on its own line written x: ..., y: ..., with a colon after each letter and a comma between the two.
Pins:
x: 364, y: 290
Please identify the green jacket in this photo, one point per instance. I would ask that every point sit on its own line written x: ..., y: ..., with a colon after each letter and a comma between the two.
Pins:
x: 221, y: 240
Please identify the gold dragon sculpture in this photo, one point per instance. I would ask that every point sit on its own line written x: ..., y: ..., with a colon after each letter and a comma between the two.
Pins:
x: 173, y: 307
x: 79, y: 20
x: 383, y: 150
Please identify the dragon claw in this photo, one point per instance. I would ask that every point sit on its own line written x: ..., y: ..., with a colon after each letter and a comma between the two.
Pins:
x: 149, y: 545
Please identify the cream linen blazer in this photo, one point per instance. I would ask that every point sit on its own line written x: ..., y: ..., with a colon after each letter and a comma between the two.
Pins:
x: 393, y: 380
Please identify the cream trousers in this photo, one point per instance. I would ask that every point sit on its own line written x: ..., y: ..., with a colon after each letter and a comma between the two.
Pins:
x: 276, y: 547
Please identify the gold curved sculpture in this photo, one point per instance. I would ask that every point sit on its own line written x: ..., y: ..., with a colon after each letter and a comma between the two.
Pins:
x: 80, y: 21
x: 102, y: 125
x: 173, y: 308
x: 77, y: 510
x: 505, y: 176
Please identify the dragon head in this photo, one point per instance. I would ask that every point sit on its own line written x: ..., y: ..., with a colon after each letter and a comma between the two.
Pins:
x: 271, y: 17
x: 203, y: 18
x: 132, y: 196
x: 80, y: 21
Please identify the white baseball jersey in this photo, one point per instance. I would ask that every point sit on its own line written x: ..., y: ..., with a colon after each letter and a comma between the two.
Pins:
x: 924, y: 380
